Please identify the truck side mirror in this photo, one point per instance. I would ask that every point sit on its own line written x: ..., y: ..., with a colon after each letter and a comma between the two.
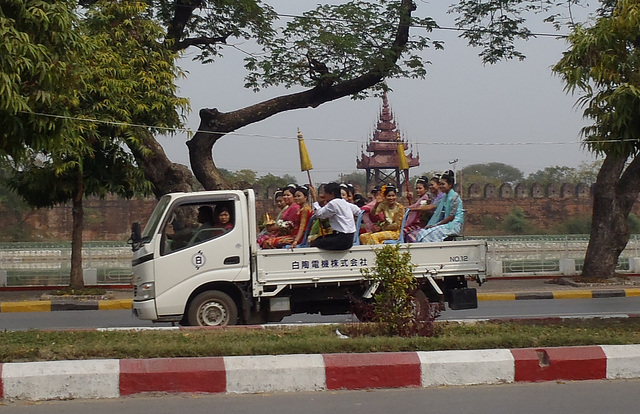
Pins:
x: 136, y: 236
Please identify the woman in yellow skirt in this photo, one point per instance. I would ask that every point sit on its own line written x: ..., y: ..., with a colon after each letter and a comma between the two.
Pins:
x: 389, y: 228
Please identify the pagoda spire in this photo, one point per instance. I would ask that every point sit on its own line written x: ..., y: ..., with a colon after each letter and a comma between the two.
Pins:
x: 381, y: 159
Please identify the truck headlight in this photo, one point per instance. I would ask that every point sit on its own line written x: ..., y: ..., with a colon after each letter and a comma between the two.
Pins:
x: 146, y: 291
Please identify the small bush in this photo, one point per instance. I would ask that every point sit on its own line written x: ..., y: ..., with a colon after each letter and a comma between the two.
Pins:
x: 516, y: 222
x: 399, y: 306
x: 576, y: 225
x: 489, y: 223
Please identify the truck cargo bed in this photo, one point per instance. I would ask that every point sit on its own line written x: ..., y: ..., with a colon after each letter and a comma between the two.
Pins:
x: 279, y: 268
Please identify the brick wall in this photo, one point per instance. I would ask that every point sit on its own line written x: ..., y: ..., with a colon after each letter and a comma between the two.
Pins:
x: 110, y: 219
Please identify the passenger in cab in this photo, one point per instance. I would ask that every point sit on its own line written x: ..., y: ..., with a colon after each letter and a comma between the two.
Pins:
x: 393, y: 212
x: 223, y: 217
x: 206, y: 229
x: 448, y: 218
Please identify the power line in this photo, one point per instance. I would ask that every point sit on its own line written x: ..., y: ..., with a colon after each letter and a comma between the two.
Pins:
x: 328, y: 139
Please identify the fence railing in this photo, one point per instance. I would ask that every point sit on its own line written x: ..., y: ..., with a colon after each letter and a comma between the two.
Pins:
x: 49, y: 264
x: 109, y: 263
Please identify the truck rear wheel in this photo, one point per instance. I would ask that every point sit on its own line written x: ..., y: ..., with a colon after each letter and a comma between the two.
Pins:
x: 212, y: 308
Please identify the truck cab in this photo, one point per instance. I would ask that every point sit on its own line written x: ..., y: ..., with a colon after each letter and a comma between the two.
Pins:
x: 178, y: 256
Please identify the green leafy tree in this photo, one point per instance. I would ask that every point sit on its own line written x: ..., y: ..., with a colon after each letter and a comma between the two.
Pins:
x: 123, y: 76
x: 494, y: 173
x: 587, y: 172
x: 554, y: 175
x: 495, y: 26
x: 355, y: 177
x: 602, y: 65
x: 272, y: 181
x: 245, y: 177
x: 14, y: 206
x: 34, y: 72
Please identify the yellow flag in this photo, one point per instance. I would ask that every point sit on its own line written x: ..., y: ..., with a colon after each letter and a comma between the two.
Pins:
x: 305, y: 161
x: 403, y: 164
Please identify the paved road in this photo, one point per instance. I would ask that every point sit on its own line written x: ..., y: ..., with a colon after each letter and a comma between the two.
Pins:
x: 587, y: 397
x: 606, y: 307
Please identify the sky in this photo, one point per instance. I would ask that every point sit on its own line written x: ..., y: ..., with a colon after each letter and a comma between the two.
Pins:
x: 513, y: 112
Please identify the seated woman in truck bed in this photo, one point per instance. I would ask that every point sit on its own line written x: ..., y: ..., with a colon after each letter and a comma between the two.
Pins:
x: 284, y: 223
x: 389, y: 228
x: 295, y: 232
x: 448, y: 218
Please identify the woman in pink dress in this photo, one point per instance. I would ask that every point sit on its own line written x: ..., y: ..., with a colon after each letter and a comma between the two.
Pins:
x: 297, y: 215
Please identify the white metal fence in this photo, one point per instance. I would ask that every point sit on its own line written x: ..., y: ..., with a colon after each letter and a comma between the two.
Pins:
x: 49, y: 264
x: 109, y: 263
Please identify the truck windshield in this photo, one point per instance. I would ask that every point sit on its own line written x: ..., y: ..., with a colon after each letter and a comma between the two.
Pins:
x: 152, y: 225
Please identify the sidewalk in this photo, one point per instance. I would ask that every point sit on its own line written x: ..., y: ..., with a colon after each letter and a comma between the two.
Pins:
x: 39, y: 300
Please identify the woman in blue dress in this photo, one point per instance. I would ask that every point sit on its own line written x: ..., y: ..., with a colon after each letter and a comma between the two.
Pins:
x: 448, y: 218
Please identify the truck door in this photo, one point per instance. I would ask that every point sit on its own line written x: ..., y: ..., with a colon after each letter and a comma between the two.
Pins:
x: 201, y: 241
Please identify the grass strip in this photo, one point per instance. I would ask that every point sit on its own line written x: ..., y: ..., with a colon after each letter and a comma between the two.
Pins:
x: 37, y: 345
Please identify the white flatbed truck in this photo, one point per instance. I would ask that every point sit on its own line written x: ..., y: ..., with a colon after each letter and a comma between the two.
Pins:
x: 226, y: 279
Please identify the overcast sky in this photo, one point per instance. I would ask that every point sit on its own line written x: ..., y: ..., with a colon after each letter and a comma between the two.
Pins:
x: 512, y: 112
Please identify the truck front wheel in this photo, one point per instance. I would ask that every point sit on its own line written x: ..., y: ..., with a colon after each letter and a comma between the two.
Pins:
x: 212, y: 308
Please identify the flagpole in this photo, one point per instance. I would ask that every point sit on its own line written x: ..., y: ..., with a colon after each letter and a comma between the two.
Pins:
x: 305, y: 161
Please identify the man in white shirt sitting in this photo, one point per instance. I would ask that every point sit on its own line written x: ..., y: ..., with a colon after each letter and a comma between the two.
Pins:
x: 341, y: 214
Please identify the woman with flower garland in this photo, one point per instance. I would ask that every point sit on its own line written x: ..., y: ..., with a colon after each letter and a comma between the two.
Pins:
x: 448, y: 218
x: 271, y: 227
x: 284, y: 226
x: 393, y: 212
x: 298, y: 225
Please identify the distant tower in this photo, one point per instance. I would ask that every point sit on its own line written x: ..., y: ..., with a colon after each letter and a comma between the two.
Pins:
x: 382, y: 163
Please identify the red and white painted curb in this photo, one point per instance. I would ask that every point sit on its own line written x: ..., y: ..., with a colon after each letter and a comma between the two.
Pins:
x: 113, y: 378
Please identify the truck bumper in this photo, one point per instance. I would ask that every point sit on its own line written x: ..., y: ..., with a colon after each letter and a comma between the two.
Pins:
x: 145, y: 309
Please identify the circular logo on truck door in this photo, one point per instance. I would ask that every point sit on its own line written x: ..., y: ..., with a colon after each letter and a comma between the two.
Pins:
x: 198, y: 260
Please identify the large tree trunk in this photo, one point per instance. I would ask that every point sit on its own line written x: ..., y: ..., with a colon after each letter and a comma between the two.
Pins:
x: 77, y: 214
x: 166, y: 176
x: 615, y: 191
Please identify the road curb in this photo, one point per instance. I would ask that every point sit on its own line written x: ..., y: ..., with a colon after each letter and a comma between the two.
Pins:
x: 65, y: 305
x: 123, y: 304
x: 560, y: 294
x: 314, y: 372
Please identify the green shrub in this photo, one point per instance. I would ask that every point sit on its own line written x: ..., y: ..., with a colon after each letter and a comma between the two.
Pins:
x: 489, y: 223
x: 516, y: 222
x: 576, y: 225
x: 399, y: 304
